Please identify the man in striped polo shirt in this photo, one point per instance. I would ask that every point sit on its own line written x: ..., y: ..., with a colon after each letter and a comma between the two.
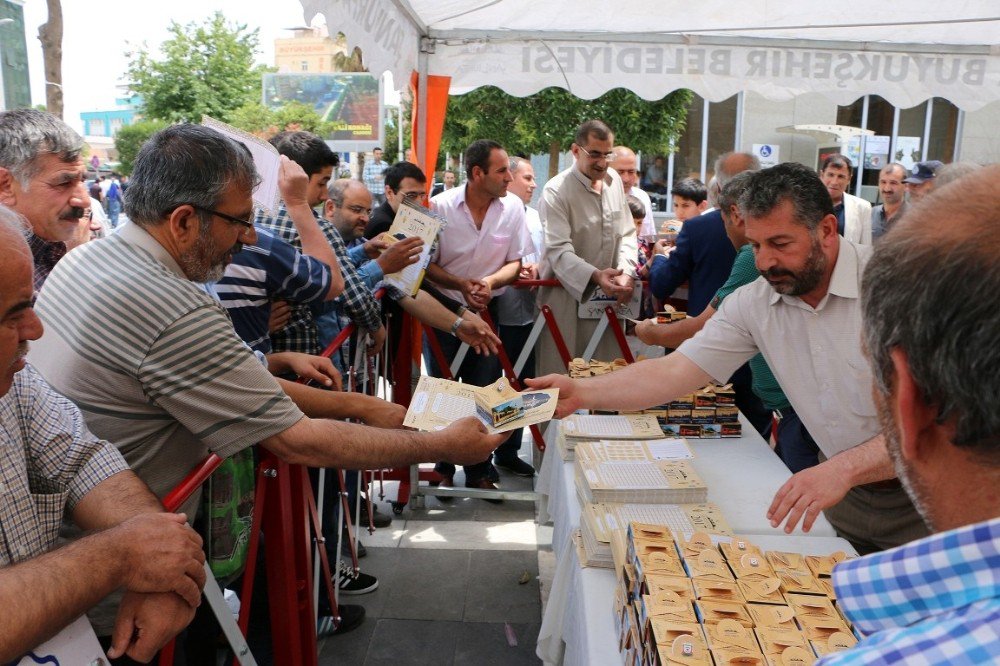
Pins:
x: 152, y: 360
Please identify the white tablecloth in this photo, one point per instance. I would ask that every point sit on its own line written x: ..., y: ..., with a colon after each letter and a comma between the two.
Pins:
x: 742, y: 476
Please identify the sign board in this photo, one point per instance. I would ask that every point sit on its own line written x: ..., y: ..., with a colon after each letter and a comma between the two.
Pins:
x: 594, y: 308
x: 353, y: 103
x: 908, y: 151
x: 76, y: 644
x: 768, y: 154
x: 876, y: 151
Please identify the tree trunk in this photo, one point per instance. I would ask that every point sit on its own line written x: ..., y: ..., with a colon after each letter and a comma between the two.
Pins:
x: 50, y: 34
x: 554, y: 154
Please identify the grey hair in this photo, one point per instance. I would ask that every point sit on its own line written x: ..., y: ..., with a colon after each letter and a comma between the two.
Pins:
x: 515, y: 163
x: 185, y: 164
x: 712, y: 187
x: 791, y: 182
x: 25, y: 134
x: 952, y: 172
x: 729, y: 164
x: 730, y: 194
x: 14, y: 223
x: 909, y: 303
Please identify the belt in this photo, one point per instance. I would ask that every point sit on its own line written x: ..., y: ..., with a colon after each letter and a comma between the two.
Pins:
x: 888, y: 484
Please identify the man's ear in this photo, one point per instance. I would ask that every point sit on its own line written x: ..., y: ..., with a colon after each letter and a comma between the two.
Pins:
x: 7, y: 196
x: 328, y: 208
x: 915, y: 419
x: 702, y: 206
x: 184, y: 224
x: 828, y: 228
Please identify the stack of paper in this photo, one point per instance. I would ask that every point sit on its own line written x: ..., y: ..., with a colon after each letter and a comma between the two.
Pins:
x: 647, y: 450
x: 600, y: 523
x: 660, y: 482
x: 628, y: 426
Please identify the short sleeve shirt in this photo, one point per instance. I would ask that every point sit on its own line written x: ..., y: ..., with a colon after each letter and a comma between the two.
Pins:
x: 815, y: 353
x: 153, y: 361
x: 48, y: 462
x: 466, y: 251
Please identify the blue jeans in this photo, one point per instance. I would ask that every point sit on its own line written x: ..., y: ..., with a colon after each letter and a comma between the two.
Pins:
x: 796, y: 447
x: 114, y: 210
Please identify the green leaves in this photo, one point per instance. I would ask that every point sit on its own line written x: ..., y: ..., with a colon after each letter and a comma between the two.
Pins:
x: 201, y: 70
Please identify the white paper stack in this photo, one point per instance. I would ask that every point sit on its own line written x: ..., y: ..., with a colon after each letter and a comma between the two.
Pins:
x: 600, y: 523
x: 641, y: 482
x: 633, y: 450
x: 623, y: 426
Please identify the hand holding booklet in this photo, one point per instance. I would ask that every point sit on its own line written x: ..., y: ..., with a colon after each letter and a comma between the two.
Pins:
x: 437, y: 403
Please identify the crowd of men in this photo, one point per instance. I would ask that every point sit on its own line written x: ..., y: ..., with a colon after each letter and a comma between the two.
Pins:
x: 181, y: 334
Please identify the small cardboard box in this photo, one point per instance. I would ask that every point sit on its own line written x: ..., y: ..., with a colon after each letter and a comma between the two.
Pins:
x: 751, y: 565
x: 654, y: 583
x: 725, y: 396
x: 761, y: 590
x: 838, y: 641
x: 713, y: 612
x: 676, y: 643
x: 772, y: 615
x: 500, y: 403
x: 717, y: 590
x: 787, y: 561
x: 738, y: 658
x: 666, y: 605
x: 775, y: 641
x: 812, y: 607
x: 691, y: 430
x: 685, y: 401
x: 791, y: 656
x: 731, y: 635
x: 727, y: 414
x: 711, y: 430
x: 653, y: 557
x: 693, y: 545
x: 822, y: 565
x: 709, y: 565
x: 797, y: 582
x: 676, y: 415
x: 704, y: 398
x: 732, y: 430
x: 738, y: 547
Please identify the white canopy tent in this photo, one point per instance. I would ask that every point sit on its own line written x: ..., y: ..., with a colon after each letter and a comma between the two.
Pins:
x: 905, y: 52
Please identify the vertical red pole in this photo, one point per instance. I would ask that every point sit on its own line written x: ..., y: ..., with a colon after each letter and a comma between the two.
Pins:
x: 619, y: 334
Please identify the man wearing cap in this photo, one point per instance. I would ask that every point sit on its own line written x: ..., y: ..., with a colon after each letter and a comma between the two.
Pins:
x: 921, y: 179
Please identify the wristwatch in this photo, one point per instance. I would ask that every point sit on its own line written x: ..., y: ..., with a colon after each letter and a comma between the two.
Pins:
x: 456, y: 326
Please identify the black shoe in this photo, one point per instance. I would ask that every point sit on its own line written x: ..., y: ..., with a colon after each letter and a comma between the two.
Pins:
x: 493, y: 474
x: 515, y: 466
x: 484, y: 484
x: 345, y: 548
x: 351, y: 618
x: 352, y: 582
x: 379, y: 519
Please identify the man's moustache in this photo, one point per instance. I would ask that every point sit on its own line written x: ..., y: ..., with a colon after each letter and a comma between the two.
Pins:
x: 74, y: 213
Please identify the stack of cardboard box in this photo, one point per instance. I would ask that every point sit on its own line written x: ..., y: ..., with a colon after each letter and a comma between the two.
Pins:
x: 715, y: 600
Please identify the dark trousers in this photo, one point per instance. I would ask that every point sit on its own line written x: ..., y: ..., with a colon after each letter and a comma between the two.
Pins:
x: 795, y: 446
x: 476, y: 370
x: 514, y: 339
x: 759, y: 416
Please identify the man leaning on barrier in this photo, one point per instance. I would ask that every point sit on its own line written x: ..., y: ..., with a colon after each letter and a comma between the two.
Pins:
x: 53, y: 466
x: 153, y: 361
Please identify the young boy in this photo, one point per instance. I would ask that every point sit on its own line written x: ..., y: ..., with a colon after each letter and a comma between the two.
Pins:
x: 690, y: 198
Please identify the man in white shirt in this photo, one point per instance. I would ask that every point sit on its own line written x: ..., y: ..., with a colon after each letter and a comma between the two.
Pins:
x: 804, y: 316
x: 517, y: 309
x: 479, y: 252
x: 625, y: 163
x: 854, y: 214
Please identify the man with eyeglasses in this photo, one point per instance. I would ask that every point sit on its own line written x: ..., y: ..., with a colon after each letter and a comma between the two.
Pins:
x: 589, y: 243
x: 153, y: 361
x: 403, y: 180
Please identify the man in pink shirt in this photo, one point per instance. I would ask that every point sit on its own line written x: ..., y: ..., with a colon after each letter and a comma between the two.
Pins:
x: 479, y: 253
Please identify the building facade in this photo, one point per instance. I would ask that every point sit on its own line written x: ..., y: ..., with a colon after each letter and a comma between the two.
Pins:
x: 15, y: 90
x: 308, y: 50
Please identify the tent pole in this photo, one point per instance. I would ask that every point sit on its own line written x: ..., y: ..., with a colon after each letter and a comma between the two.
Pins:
x: 420, y: 148
x: 956, y: 154
x: 859, y: 168
x: 894, y: 138
x: 704, y: 138
x: 925, y: 146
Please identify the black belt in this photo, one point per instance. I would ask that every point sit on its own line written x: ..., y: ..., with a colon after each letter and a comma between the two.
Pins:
x: 888, y: 484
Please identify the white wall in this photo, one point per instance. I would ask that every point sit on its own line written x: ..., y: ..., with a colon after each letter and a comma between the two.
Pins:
x: 762, y: 117
x: 980, y: 141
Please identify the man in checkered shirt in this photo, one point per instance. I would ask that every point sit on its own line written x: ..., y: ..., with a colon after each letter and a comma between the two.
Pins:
x: 936, y: 369
x: 51, y: 466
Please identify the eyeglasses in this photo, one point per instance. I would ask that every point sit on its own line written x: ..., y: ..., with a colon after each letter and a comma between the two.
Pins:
x: 358, y: 210
x: 597, y: 155
x: 248, y: 225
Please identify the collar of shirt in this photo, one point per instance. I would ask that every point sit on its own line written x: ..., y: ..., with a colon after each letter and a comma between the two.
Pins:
x: 457, y: 201
x: 934, y: 575
x: 843, y: 283
x: 136, y: 235
x: 45, y: 253
x: 586, y: 181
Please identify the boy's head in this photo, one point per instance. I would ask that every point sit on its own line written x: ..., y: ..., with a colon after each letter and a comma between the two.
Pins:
x: 637, y: 210
x: 690, y: 198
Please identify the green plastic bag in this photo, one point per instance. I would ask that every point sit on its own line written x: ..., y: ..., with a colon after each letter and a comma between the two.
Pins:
x: 227, y: 509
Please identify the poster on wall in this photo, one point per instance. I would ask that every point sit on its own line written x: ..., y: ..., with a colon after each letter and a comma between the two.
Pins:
x: 876, y: 151
x: 908, y: 151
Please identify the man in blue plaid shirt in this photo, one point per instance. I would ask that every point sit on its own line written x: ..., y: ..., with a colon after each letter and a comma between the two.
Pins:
x: 936, y: 369
x: 374, y: 176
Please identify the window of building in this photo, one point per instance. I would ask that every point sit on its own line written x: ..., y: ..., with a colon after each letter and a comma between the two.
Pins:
x: 305, y: 66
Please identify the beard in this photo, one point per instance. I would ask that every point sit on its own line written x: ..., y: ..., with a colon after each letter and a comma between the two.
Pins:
x: 200, y: 264
x: 803, y: 281
x: 912, y: 483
